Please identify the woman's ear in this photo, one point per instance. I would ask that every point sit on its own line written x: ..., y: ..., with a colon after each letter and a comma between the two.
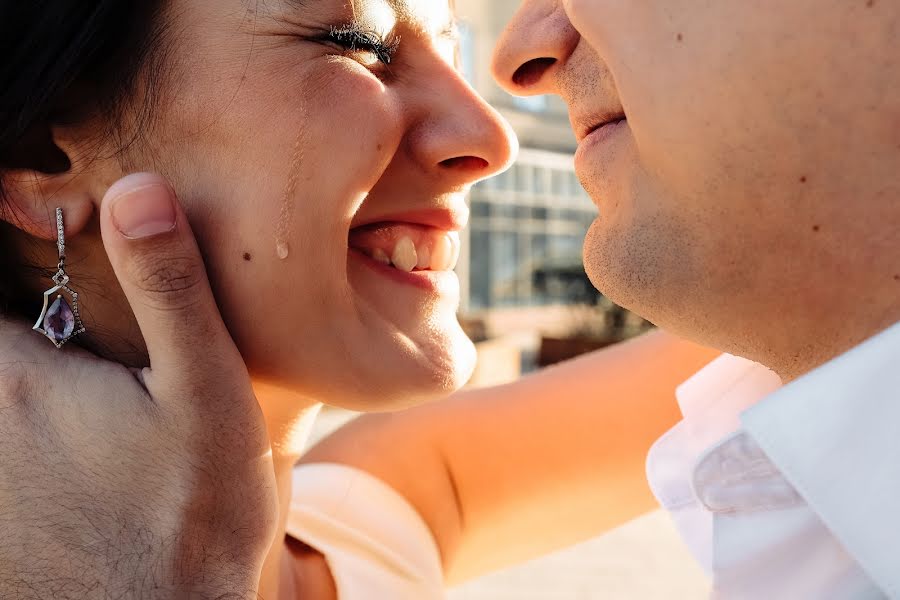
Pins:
x: 43, y: 176
x: 30, y: 200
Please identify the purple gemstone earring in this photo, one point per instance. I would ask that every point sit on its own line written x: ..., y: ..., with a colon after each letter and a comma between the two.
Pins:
x: 59, y: 321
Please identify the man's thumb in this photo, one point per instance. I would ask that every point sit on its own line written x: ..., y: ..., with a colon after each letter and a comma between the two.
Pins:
x: 157, y: 262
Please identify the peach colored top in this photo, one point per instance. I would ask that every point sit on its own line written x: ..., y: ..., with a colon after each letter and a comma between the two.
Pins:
x: 376, y: 544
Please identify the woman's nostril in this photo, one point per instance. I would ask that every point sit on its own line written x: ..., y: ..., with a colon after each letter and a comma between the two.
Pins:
x: 531, y: 72
x: 466, y: 162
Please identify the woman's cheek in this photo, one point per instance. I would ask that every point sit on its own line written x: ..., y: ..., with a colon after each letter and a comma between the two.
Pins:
x: 358, y: 116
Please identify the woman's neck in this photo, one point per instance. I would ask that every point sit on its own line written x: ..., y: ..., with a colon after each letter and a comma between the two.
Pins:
x: 289, y: 419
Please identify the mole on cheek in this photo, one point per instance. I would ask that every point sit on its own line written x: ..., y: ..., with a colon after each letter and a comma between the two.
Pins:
x: 816, y: 228
x: 679, y: 37
x: 803, y: 179
x: 247, y: 257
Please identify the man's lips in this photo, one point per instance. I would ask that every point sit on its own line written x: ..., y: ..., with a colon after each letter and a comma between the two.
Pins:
x: 583, y: 127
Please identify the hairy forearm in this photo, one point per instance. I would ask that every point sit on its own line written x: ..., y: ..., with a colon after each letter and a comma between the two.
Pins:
x: 86, y: 576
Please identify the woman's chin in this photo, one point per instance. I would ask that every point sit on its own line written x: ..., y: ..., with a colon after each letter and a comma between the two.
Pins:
x: 418, y: 373
x: 367, y: 365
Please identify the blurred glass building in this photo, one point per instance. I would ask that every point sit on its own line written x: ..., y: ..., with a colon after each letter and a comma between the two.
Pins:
x: 521, y: 260
x: 527, y: 230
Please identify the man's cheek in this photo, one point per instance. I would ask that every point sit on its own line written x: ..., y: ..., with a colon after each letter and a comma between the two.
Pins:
x: 586, y: 16
x: 598, y: 20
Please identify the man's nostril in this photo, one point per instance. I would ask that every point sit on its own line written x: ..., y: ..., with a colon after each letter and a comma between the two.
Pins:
x: 531, y: 72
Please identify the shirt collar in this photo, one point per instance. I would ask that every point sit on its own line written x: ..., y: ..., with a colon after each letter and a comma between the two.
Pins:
x: 835, y: 435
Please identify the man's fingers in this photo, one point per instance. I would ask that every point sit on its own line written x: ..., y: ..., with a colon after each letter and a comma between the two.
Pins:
x: 156, y: 259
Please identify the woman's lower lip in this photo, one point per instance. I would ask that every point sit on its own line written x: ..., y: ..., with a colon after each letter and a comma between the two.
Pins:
x: 424, y: 280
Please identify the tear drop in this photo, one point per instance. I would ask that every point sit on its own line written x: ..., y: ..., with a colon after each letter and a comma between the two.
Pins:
x: 282, y: 250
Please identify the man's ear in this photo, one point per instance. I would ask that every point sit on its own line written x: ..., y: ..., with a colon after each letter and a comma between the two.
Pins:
x: 42, y: 176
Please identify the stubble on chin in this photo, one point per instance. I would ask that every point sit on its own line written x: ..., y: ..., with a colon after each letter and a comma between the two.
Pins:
x: 657, y: 267
x: 649, y: 266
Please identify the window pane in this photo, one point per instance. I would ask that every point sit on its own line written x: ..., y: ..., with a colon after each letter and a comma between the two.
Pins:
x: 540, y: 180
x: 480, y: 269
x: 504, y: 266
x: 524, y: 181
x: 480, y: 209
x: 531, y: 103
x: 559, y: 183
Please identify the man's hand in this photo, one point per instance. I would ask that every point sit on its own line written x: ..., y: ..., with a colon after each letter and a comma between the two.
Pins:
x: 114, y: 483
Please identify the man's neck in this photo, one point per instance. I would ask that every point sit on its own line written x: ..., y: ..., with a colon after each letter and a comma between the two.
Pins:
x: 791, y: 368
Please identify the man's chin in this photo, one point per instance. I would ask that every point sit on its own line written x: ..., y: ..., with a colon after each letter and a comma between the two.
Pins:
x: 597, y: 262
x: 616, y: 264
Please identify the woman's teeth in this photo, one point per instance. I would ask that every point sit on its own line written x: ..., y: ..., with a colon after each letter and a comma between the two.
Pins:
x: 405, y: 256
x: 442, y: 253
x: 381, y: 256
x: 442, y: 256
x: 424, y: 255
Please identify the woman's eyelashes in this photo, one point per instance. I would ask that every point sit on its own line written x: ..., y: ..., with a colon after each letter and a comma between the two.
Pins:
x: 354, y: 38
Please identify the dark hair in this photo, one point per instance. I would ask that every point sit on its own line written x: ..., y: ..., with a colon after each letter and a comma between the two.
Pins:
x: 62, y: 61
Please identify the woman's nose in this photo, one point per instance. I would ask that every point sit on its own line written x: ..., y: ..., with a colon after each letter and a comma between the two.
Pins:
x: 535, y: 44
x: 462, y: 136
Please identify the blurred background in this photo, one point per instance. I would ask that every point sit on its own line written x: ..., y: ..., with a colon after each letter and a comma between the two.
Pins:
x: 527, y: 303
x: 525, y: 292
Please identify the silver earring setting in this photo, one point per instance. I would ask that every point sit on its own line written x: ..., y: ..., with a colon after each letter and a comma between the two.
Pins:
x: 60, y: 321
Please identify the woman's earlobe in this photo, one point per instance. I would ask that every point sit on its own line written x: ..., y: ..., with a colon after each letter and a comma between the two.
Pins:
x: 30, y: 199
x: 37, y: 177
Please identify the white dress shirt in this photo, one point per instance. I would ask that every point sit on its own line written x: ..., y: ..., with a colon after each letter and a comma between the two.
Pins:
x: 790, y: 492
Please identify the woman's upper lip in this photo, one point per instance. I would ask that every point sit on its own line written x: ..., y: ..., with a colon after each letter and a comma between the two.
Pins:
x: 586, y: 124
x: 447, y: 218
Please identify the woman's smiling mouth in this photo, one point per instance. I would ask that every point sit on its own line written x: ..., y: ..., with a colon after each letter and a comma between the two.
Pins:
x: 408, y: 247
x: 417, y: 247
x: 407, y: 253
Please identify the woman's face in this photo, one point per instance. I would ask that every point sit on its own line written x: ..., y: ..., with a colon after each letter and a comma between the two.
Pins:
x: 310, y: 143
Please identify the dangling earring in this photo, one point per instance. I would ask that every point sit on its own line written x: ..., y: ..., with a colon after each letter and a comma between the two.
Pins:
x: 59, y: 321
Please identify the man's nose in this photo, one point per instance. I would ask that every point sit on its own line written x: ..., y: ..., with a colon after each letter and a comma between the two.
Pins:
x: 536, y: 43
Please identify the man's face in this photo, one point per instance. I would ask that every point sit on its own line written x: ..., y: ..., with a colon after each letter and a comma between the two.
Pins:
x: 750, y: 146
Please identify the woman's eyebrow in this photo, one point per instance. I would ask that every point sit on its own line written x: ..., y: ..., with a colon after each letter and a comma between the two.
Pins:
x: 449, y: 31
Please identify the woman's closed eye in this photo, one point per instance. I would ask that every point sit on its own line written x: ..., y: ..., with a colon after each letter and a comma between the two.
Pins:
x: 355, y: 40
